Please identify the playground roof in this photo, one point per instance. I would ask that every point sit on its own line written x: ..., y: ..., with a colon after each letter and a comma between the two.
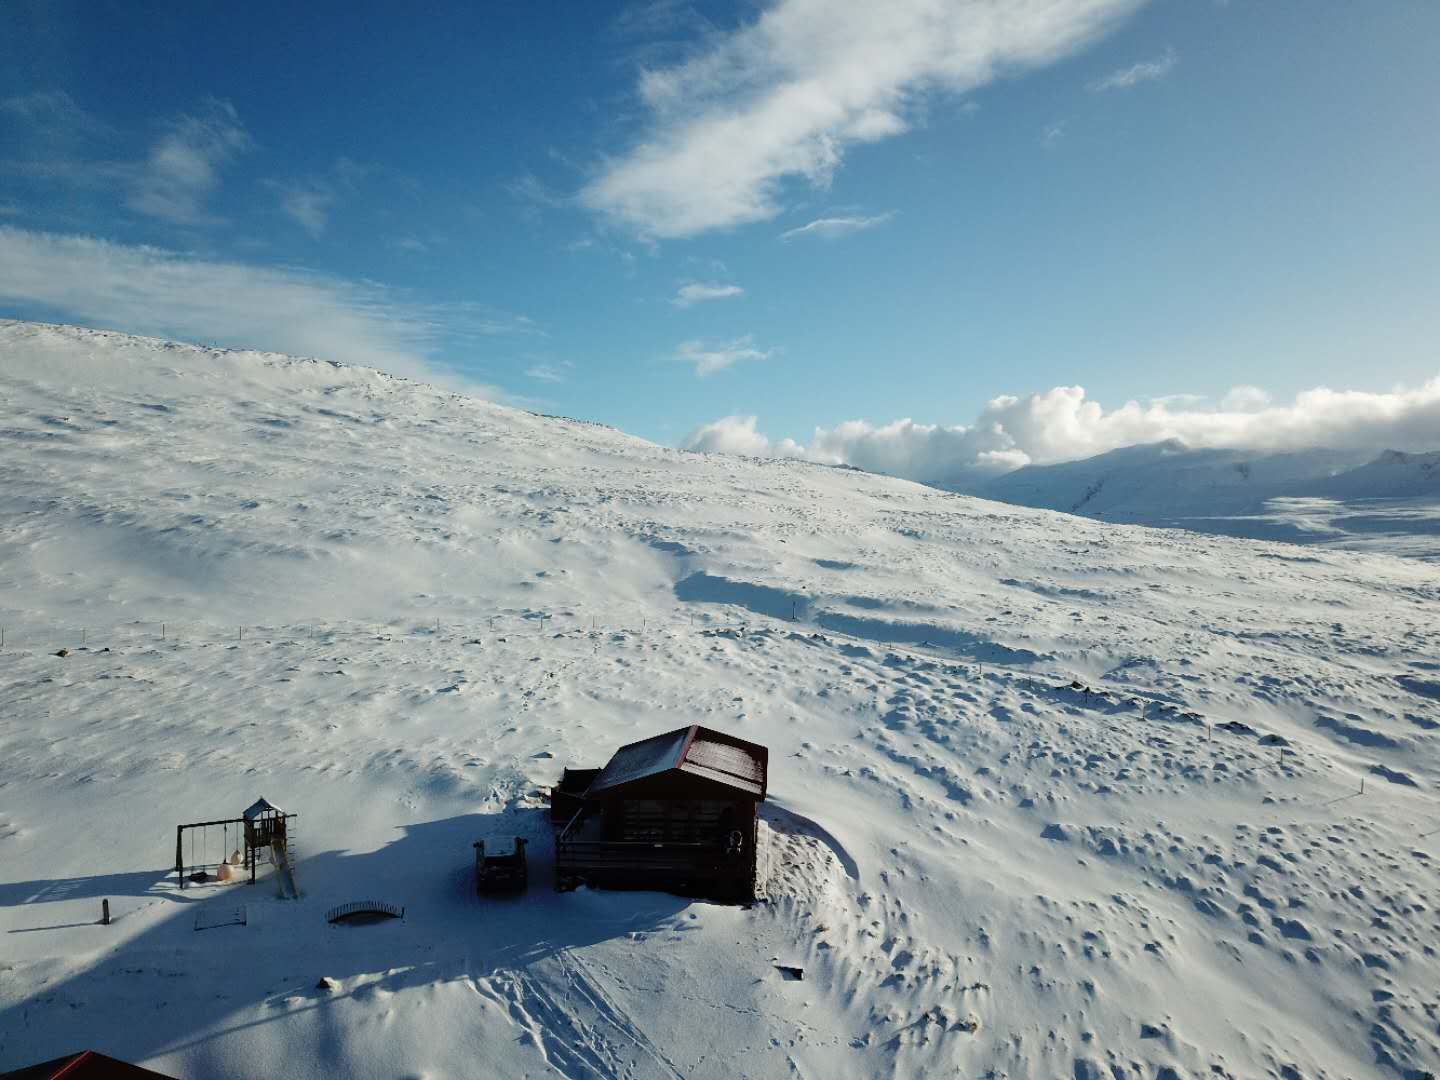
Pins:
x: 259, y: 807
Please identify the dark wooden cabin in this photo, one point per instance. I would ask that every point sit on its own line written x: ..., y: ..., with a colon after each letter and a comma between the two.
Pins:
x: 677, y: 812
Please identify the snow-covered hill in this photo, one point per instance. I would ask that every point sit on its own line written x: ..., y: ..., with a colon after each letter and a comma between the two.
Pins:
x: 1050, y: 796
x: 1392, y: 475
x: 1356, y: 499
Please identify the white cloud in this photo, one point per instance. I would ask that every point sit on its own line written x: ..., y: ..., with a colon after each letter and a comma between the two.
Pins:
x: 709, y: 359
x: 1145, y: 71
x: 831, y: 227
x: 183, y: 167
x: 729, y: 435
x: 785, y: 96
x: 1062, y: 425
x: 152, y: 291
x: 696, y: 293
x: 1051, y: 134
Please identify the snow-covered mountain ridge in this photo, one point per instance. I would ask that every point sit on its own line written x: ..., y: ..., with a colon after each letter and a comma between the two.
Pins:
x: 1030, y: 814
x: 1362, y: 500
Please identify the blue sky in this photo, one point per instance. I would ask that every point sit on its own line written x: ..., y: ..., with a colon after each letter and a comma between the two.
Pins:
x: 661, y: 214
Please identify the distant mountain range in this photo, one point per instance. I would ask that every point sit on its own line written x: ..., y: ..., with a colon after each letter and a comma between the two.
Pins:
x: 1369, y: 499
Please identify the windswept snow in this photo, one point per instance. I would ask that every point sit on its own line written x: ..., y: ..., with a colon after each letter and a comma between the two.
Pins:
x: 1050, y: 796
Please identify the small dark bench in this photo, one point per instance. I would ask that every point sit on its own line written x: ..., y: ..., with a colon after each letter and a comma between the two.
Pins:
x: 502, y: 867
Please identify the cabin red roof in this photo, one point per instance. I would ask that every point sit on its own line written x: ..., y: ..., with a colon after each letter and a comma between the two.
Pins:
x: 694, y: 750
x: 86, y: 1065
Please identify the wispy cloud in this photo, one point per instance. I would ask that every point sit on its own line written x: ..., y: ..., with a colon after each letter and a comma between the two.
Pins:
x: 1247, y: 398
x: 549, y: 373
x: 307, y: 204
x: 1051, y: 134
x: 697, y: 293
x: 53, y: 114
x: 153, y: 291
x: 534, y: 195
x: 709, y: 359
x: 1145, y: 71
x: 1170, y: 400
x: 831, y: 227
x: 1062, y: 424
x: 310, y: 200
x: 48, y: 137
x: 783, y: 98
x: 183, y: 167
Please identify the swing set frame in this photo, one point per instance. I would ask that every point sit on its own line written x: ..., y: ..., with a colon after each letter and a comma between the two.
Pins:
x: 251, y: 837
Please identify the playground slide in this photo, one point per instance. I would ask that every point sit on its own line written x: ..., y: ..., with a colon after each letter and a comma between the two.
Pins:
x: 281, y: 859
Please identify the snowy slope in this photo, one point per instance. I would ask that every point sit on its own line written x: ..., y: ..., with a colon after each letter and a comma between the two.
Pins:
x: 1355, y: 499
x: 1010, y: 832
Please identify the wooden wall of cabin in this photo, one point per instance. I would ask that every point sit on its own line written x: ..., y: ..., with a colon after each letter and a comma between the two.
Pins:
x: 679, y: 821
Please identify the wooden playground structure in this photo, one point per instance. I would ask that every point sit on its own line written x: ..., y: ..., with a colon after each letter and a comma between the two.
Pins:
x: 263, y: 829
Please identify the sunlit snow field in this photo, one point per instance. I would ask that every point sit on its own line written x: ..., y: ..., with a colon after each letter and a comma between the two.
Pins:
x: 1010, y: 832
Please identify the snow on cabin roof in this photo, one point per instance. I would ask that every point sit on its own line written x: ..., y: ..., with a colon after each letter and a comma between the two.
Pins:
x: 259, y: 807
x: 695, y: 750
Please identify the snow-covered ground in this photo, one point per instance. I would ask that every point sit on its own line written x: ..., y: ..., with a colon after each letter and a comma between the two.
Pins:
x: 1050, y: 796
x: 1358, y: 500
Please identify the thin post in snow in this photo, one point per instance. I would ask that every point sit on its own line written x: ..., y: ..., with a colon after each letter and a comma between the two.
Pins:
x: 82, y: 635
x: 242, y: 633
x: 1362, y: 785
x: 105, y: 912
x: 162, y: 631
